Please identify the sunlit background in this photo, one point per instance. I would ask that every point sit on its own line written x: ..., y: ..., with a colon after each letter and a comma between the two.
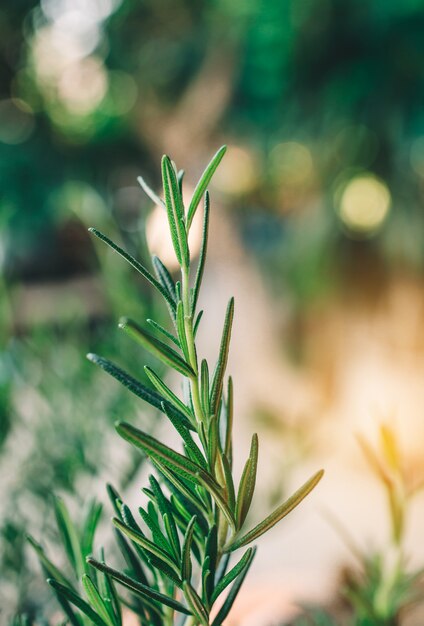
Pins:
x: 317, y: 228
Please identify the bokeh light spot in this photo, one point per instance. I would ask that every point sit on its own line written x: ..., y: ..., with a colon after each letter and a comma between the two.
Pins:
x: 364, y: 203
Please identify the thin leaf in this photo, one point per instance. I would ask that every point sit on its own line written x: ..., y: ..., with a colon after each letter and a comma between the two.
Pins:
x: 182, y: 331
x: 175, y: 212
x: 90, y: 527
x: 247, y: 483
x: 157, y: 535
x: 196, y: 323
x: 164, y: 277
x: 204, y: 386
x: 156, y: 347
x: 145, y: 543
x: 167, y: 516
x: 229, y: 410
x: 202, y: 257
x: 216, y: 391
x: 232, y: 574
x: 96, y: 600
x: 164, y: 332
x: 75, y: 599
x: 142, y: 590
x: 229, y: 600
x: 196, y: 604
x: 130, y: 557
x: 151, y: 446
x: 283, y: 510
x: 186, y: 437
x: 141, y: 391
x: 186, y: 568
x: 149, y: 192
x: 51, y: 569
x: 136, y: 265
x: 203, y: 184
x: 229, y: 482
x: 171, y: 397
x: 69, y: 537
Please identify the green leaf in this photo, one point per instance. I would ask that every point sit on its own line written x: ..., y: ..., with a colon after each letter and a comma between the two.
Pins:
x: 186, y: 437
x: 247, y: 483
x: 212, y: 441
x: 186, y: 567
x: 182, y: 331
x: 196, y: 604
x: 163, y: 331
x: 232, y: 574
x: 211, y: 556
x: 178, y: 406
x: 229, y: 483
x: 146, y: 544
x: 156, y: 347
x: 151, y: 446
x: 69, y: 537
x: 51, y: 570
x: 165, y: 509
x: 216, y: 391
x: 283, y: 510
x: 203, y: 184
x: 229, y: 600
x: 196, y: 323
x: 148, y: 395
x: 136, y: 265
x: 229, y: 414
x: 149, y: 192
x: 202, y: 259
x: 90, y: 527
x: 175, y: 210
x: 164, y: 277
x: 130, y: 557
x: 204, y: 386
x: 95, y: 599
x: 142, y: 590
x: 75, y: 599
x: 158, y: 537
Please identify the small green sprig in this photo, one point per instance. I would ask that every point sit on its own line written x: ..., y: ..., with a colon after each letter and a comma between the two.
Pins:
x: 178, y: 547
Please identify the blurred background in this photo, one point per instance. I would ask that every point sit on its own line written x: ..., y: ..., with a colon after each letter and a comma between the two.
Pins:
x: 318, y: 230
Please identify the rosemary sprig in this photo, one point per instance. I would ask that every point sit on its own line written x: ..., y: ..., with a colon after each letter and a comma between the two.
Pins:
x: 178, y: 552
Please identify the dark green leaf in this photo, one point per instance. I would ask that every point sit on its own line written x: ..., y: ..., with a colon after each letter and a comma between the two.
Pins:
x: 164, y: 332
x: 75, y: 599
x: 229, y: 600
x: 196, y: 604
x: 204, y: 386
x: 142, y: 590
x: 145, y: 543
x: 95, y: 600
x: 196, y: 323
x: 175, y: 210
x: 202, y: 259
x: 69, y: 537
x: 203, y: 183
x: 164, y: 277
x: 140, y: 268
x: 247, y: 483
x: 216, y: 391
x: 148, y: 395
x: 169, y: 395
x: 186, y: 436
x: 232, y: 574
x: 90, y: 527
x: 182, y: 331
x: 229, y: 414
x: 186, y: 568
x: 50, y: 569
x: 156, y: 347
x: 283, y: 510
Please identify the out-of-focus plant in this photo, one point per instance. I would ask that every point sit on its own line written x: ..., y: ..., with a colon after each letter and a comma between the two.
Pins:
x: 177, y: 554
x: 381, y: 589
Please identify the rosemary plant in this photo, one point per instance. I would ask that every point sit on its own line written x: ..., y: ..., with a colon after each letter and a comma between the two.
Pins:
x: 178, y: 547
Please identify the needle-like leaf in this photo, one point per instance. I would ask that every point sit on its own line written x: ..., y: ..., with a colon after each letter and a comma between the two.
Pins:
x: 232, y: 574
x: 163, y: 352
x: 283, y: 510
x: 96, y: 600
x: 142, y: 590
x: 202, y: 257
x: 76, y: 600
x: 149, y: 192
x: 175, y: 210
x: 136, y: 265
x: 229, y: 600
x: 203, y: 183
x: 247, y: 483
x: 216, y: 391
x: 186, y: 567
